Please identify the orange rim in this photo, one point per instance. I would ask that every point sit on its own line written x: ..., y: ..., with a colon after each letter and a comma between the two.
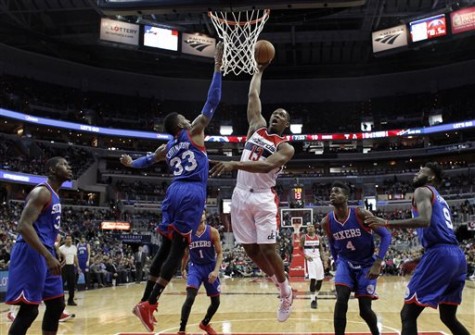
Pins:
x: 239, y: 23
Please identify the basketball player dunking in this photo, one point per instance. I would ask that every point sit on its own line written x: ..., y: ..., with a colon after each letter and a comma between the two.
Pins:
x: 312, y: 248
x: 254, y: 205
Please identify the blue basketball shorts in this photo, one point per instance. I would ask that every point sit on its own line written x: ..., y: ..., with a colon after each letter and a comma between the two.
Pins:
x: 29, y: 280
x: 182, y: 207
x: 198, y: 273
x: 355, y: 277
x: 439, y: 278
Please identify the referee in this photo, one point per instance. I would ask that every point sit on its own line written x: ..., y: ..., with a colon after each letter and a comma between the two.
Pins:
x: 70, y: 253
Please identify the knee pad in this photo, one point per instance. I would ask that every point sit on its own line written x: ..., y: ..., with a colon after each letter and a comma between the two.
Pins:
x: 191, y: 294
x: 312, y: 285
x: 54, y: 309
x: 175, y: 256
x: 215, y: 301
x: 27, y: 313
x: 319, y: 285
x: 160, y: 258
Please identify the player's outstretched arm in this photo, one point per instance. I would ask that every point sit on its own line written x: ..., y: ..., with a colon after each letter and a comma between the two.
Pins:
x: 214, y: 96
x: 145, y: 161
x: 423, y: 201
x: 276, y: 160
x: 254, y: 106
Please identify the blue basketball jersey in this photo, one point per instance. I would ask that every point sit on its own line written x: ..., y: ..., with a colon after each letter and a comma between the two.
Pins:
x: 440, y: 230
x: 82, y: 251
x: 186, y: 160
x: 202, y: 248
x: 49, y: 221
x: 352, y: 240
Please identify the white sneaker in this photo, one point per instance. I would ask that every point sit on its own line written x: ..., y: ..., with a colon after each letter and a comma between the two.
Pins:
x: 285, y: 307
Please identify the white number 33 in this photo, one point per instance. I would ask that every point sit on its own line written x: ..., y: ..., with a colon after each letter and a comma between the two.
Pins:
x: 186, y: 162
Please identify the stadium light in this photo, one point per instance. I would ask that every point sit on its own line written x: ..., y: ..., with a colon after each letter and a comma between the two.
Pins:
x: 226, y: 130
x: 296, y: 128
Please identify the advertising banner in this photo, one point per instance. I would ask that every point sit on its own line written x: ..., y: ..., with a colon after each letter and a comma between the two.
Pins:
x: 390, y: 38
x: 120, y: 32
x: 198, y: 45
x: 463, y: 20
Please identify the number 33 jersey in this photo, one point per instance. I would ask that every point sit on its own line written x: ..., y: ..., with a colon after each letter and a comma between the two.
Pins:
x: 258, y: 147
x: 352, y: 240
x: 187, y: 160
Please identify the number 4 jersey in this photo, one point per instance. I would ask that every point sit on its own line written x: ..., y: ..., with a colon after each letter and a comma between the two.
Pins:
x: 187, y: 160
x: 353, y: 241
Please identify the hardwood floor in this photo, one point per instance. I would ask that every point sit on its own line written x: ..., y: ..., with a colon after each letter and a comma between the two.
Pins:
x: 247, y: 306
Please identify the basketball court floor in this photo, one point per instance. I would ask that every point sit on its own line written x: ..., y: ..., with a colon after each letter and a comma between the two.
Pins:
x: 248, y: 306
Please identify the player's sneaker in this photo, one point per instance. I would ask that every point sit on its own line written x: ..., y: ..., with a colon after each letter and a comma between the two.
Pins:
x: 144, y: 311
x: 208, y: 329
x: 285, y: 307
x: 66, y: 316
x: 153, y: 316
x: 313, y: 304
x: 11, y: 316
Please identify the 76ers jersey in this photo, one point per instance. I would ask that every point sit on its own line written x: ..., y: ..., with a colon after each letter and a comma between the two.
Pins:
x: 440, y: 230
x: 202, y: 248
x: 311, y: 246
x: 352, y: 240
x: 82, y: 251
x: 258, y: 147
x: 49, y: 221
x: 187, y: 161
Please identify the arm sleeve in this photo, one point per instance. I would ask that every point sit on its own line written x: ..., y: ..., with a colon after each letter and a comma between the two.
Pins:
x: 214, y: 96
x: 385, y: 241
x: 143, y: 162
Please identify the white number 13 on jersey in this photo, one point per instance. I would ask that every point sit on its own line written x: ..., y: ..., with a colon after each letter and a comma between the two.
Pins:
x: 186, y: 162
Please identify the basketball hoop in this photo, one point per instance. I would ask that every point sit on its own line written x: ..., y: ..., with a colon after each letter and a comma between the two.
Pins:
x: 239, y: 32
x: 297, y: 223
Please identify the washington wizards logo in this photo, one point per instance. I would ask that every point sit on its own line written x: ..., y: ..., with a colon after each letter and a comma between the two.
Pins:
x: 388, y: 39
x: 197, y: 45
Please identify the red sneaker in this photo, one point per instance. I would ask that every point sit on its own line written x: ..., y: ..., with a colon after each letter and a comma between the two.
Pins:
x: 144, y: 311
x: 66, y: 316
x: 153, y: 316
x: 11, y: 316
x: 208, y: 329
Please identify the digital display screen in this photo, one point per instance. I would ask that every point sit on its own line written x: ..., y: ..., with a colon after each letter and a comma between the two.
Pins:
x: 161, y: 38
x: 428, y: 28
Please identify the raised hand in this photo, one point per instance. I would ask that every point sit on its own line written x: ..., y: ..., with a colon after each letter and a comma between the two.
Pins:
x: 126, y: 160
x: 218, y: 56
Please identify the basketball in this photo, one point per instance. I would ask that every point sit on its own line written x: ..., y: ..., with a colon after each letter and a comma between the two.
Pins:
x: 264, y: 52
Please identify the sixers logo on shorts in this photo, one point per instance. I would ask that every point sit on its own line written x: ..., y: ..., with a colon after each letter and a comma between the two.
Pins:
x: 370, y: 289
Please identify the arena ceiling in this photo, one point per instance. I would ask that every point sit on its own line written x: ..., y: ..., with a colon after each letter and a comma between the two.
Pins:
x: 314, y: 39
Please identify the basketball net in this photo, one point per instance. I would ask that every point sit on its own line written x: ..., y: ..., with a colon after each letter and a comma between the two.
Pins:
x: 297, y: 228
x: 239, y: 32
